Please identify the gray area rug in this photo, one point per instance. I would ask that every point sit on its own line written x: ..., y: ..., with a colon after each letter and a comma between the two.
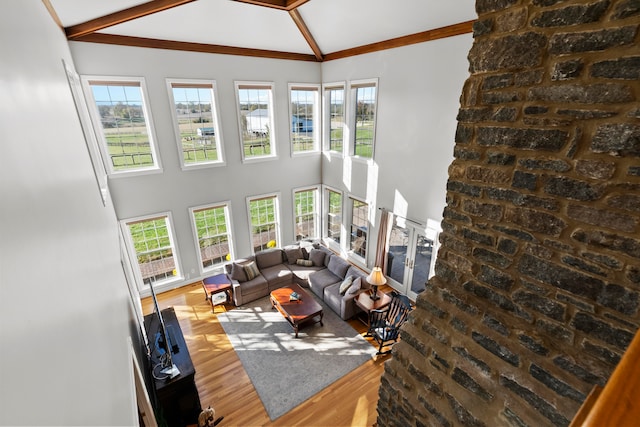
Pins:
x: 286, y: 371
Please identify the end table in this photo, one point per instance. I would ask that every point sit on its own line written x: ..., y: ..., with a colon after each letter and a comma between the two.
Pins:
x: 366, y: 304
x: 215, y: 285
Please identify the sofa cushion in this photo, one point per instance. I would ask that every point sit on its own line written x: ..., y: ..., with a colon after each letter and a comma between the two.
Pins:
x: 346, y: 284
x: 338, y: 266
x: 318, y: 280
x: 269, y: 258
x: 293, y: 254
x: 277, y: 276
x: 317, y: 257
x: 256, y: 285
x: 251, y: 270
x: 328, y: 253
x: 237, y: 273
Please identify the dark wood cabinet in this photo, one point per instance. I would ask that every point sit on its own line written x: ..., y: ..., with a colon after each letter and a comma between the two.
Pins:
x: 177, y: 402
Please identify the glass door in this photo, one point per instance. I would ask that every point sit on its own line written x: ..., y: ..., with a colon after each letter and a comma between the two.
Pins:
x: 411, y: 256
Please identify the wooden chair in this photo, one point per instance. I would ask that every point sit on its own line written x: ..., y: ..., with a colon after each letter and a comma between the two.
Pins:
x: 384, y: 325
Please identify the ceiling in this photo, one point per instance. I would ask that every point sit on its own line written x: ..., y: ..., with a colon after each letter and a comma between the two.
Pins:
x: 312, y: 30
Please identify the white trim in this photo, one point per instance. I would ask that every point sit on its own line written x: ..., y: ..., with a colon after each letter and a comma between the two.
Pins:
x: 228, y: 219
x: 132, y: 253
x: 270, y: 87
x: 249, y: 199
x: 354, y: 85
x: 316, y: 225
x: 317, y: 123
x: 215, y: 117
x: 100, y: 134
x: 326, y: 120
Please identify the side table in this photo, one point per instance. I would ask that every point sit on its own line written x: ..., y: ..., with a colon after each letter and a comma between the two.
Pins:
x: 215, y: 285
x: 366, y: 304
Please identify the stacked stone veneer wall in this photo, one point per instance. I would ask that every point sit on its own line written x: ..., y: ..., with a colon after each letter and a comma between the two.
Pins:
x: 536, y: 293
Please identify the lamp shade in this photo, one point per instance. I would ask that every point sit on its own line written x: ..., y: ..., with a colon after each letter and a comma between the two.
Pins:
x: 376, y: 277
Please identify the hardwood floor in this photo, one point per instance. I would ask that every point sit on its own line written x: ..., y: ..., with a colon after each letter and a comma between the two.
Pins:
x: 223, y: 383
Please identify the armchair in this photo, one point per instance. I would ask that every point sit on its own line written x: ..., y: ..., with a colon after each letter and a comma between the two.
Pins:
x: 384, y: 325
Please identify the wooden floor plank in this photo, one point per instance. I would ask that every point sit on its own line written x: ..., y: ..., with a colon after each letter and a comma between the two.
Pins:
x: 224, y: 384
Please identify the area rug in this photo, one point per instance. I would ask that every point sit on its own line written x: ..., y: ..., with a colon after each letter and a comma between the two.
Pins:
x: 285, y: 370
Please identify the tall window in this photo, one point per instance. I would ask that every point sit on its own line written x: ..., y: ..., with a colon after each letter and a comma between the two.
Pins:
x: 305, y: 213
x: 213, y: 233
x: 122, y: 123
x: 359, y: 227
x: 304, y: 118
x: 264, y: 222
x: 334, y: 118
x: 255, y: 116
x: 333, y: 200
x: 364, y: 95
x: 196, y: 122
x: 151, y: 239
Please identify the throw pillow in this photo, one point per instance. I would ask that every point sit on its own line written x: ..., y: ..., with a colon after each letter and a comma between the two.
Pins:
x: 304, y: 262
x: 355, y: 286
x: 293, y: 254
x: 346, y: 284
x: 251, y: 270
x: 237, y: 273
x: 317, y: 257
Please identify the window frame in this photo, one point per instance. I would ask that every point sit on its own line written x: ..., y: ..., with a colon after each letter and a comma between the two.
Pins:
x: 331, y: 242
x: 215, y: 119
x: 276, y: 197
x: 226, y: 205
x: 326, y: 115
x: 353, y: 106
x: 315, y: 190
x: 316, y: 122
x: 270, y: 86
x: 87, y: 83
x: 359, y: 259
x: 132, y: 254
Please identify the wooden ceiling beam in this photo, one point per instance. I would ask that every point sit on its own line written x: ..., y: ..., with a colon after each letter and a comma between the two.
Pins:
x: 425, y: 36
x: 287, y: 5
x: 295, y: 15
x: 75, y: 31
x: 192, y: 47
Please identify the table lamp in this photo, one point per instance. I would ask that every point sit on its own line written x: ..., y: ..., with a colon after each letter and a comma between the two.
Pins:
x: 375, y: 279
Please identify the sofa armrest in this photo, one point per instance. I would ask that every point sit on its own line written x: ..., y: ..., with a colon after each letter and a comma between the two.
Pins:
x: 237, y: 293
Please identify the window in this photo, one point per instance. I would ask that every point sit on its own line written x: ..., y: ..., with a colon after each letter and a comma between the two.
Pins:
x: 334, y: 118
x: 213, y: 233
x: 305, y: 213
x: 303, y: 106
x: 255, y: 116
x: 364, y: 102
x: 333, y: 202
x: 123, y: 123
x: 264, y: 222
x: 359, y: 227
x: 151, y: 240
x: 195, y: 121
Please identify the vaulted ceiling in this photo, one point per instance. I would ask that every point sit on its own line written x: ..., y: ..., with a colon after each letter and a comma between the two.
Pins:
x: 308, y: 30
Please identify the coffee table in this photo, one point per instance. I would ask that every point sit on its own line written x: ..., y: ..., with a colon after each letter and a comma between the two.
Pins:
x: 296, y: 312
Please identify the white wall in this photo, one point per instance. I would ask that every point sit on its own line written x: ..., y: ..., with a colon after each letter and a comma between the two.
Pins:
x: 418, y: 99
x: 175, y: 190
x: 64, y: 304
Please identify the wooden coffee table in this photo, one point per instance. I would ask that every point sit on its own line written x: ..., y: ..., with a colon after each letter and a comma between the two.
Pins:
x: 296, y: 312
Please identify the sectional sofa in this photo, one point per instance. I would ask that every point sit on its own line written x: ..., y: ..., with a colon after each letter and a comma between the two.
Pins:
x: 312, y: 265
